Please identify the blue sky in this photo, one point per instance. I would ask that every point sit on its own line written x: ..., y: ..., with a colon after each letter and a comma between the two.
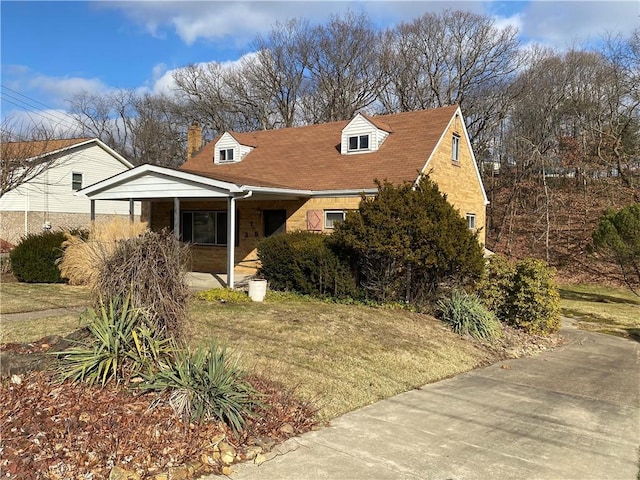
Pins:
x: 51, y: 50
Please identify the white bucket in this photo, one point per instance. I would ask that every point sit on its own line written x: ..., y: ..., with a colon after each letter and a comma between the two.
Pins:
x: 257, y: 289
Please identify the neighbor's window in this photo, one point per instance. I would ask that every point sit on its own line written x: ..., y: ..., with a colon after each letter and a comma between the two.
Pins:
x: 359, y: 142
x: 471, y: 220
x: 226, y: 155
x: 455, y: 148
x: 76, y: 181
x: 331, y: 217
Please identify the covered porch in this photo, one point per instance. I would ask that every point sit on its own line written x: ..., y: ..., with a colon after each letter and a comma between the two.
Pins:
x: 198, y: 210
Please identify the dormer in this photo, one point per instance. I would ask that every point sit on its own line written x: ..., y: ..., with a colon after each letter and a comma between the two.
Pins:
x: 228, y: 150
x: 363, y: 135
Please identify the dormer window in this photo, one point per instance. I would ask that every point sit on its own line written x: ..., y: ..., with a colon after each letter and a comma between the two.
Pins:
x: 358, y: 142
x: 363, y: 135
x: 226, y: 155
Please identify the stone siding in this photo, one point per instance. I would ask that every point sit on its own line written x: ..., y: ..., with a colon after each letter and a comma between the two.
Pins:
x: 459, y: 180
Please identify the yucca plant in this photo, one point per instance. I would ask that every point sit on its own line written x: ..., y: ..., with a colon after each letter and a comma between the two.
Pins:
x: 205, y: 384
x: 466, y: 315
x: 120, y: 346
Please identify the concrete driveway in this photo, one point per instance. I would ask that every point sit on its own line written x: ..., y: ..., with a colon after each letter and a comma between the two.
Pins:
x: 571, y: 413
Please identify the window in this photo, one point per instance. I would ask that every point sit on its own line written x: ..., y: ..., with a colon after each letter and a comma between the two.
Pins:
x: 76, y: 181
x: 226, y: 155
x: 359, y: 142
x: 471, y: 221
x: 455, y: 148
x: 205, y: 228
x: 331, y: 217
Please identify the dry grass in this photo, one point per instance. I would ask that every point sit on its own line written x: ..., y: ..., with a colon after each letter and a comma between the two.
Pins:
x: 24, y: 331
x: 31, y: 297
x: 602, y: 309
x: 341, y: 357
x: 82, y: 258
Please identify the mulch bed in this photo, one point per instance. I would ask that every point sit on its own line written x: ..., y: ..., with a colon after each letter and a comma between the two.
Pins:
x: 50, y: 430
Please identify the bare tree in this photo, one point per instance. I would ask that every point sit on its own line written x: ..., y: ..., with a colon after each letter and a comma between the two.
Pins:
x: 281, y: 60
x: 344, y: 68
x: 455, y: 57
x: 145, y: 128
x: 204, y: 91
x: 158, y: 131
x: 25, y: 155
x: 107, y: 116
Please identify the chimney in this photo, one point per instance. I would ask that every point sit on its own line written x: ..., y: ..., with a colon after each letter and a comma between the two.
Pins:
x: 194, y: 139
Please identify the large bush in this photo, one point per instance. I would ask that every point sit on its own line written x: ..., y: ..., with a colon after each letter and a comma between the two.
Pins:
x: 150, y: 269
x: 302, y: 262
x: 407, y: 241
x: 34, y: 259
x: 522, y: 294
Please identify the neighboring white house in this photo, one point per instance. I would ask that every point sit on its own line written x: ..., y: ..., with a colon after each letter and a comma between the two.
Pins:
x: 48, y: 201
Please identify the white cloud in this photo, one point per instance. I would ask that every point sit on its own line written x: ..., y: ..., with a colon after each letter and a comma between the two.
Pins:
x: 63, y: 88
x: 56, y: 121
x: 162, y: 81
x: 567, y: 24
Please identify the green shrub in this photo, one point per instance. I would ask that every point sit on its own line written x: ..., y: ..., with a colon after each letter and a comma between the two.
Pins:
x: 34, y: 259
x: 120, y: 346
x: 466, y: 315
x: 522, y: 294
x: 224, y: 295
x: 206, y: 384
x: 617, y: 240
x: 302, y: 262
x: 406, y: 242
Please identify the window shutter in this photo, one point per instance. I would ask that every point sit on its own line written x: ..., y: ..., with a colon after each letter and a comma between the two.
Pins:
x: 314, y: 220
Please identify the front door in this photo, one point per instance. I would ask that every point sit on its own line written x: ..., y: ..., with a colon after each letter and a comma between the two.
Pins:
x: 274, y: 222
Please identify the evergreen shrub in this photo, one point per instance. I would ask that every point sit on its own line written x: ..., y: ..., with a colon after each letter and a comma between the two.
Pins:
x: 35, y: 258
x: 302, y: 262
x: 522, y: 294
x: 408, y: 241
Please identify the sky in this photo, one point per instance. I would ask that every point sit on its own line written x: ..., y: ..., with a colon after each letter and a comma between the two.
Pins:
x: 51, y: 50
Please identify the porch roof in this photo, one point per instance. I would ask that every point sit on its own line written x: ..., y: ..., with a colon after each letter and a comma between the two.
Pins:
x: 152, y: 182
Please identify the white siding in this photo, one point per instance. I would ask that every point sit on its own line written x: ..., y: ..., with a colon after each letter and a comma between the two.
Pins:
x: 227, y: 141
x: 154, y: 185
x: 361, y: 126
x: 51, y: 191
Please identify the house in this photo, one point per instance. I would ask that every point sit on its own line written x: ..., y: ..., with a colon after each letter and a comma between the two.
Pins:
x: 301, y: 178
x: 48, y: 200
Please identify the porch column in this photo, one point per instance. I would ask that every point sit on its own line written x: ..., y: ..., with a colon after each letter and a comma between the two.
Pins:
x: 231, y: 241
x: 131, y: 210
x: 176, y: 217
x: 93, y: 210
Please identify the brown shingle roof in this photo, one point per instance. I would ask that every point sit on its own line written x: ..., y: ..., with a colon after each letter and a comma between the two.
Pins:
x: 308, y: 158
x: 24, y: 150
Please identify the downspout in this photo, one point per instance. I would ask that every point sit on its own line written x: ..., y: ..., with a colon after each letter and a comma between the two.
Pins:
x: 231, y: 237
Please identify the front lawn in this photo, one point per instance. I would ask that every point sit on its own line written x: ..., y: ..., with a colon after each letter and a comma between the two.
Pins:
x: 341, y: 356
x: 16, y: 297
x: 602, y: 309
